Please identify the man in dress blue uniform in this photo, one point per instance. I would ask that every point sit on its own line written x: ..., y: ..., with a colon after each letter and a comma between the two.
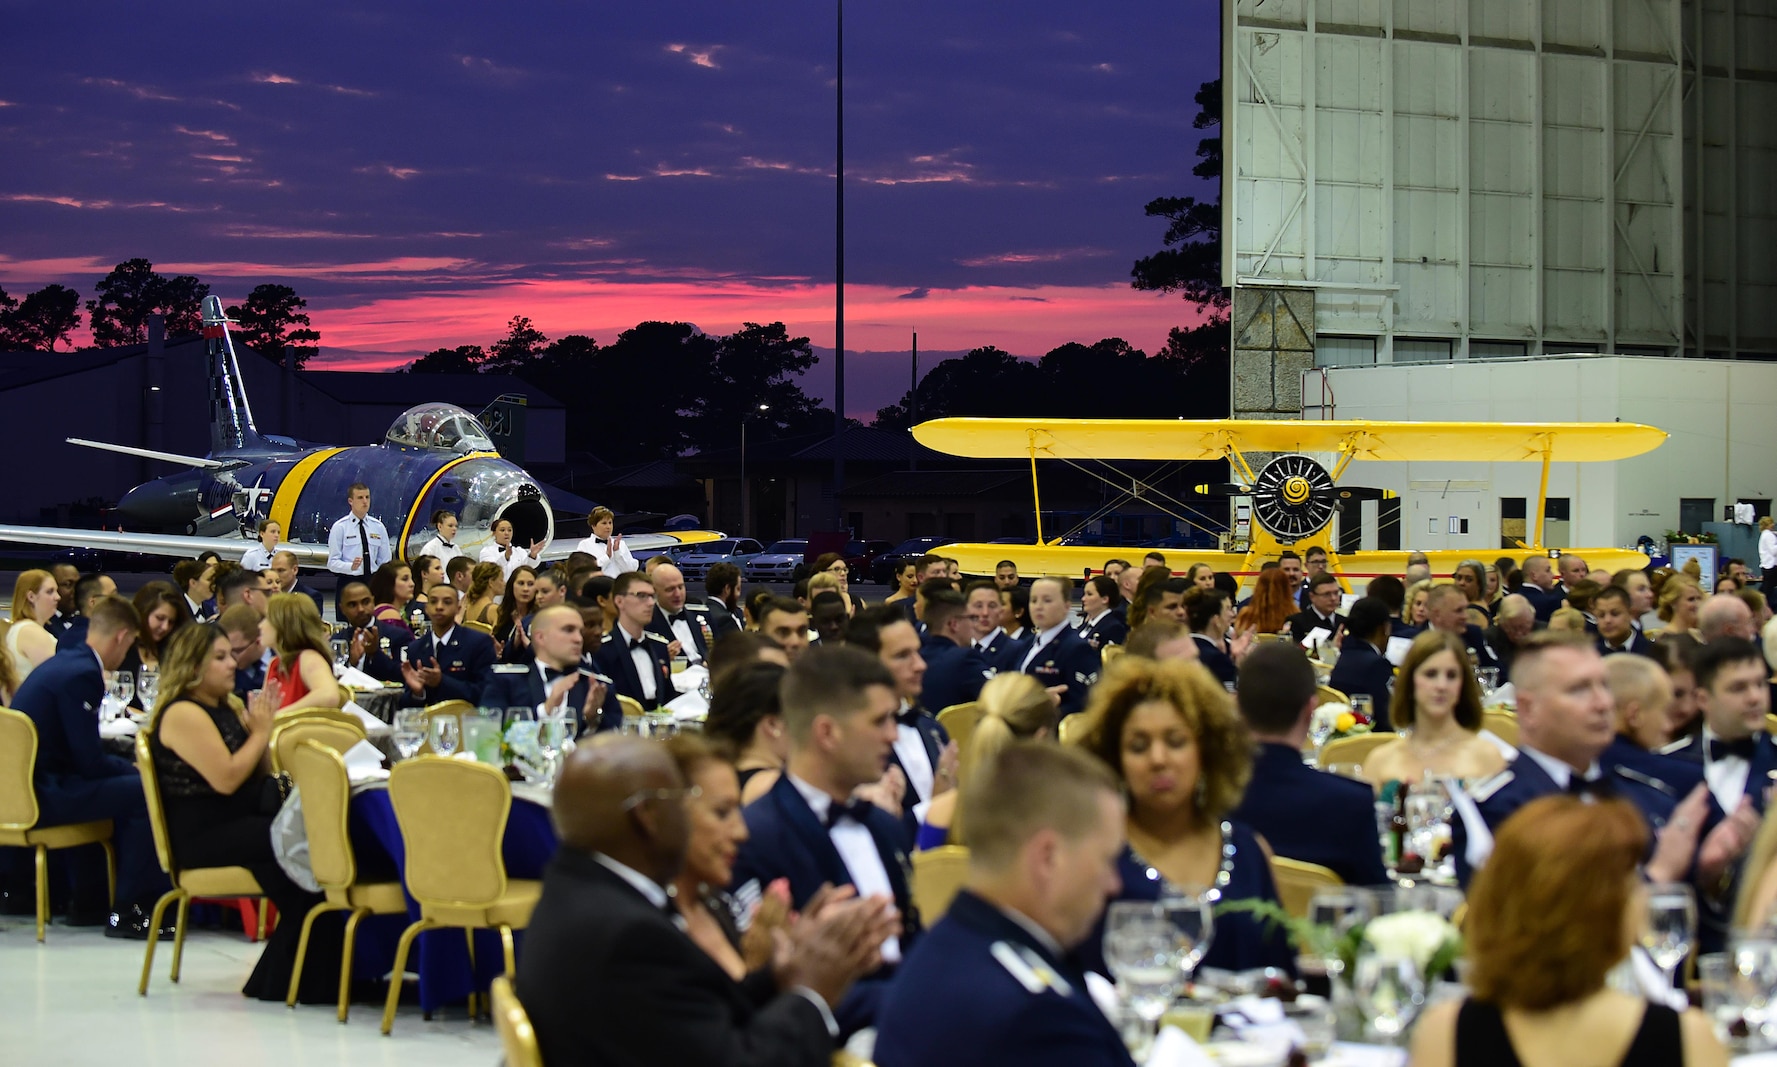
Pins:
x: 451, y: 662
x: 67, y: 604
x: 922, y: 749
x: 1616, y: 626
x: 839, y: 710
x: 284, y: 576
x: 371, y: 646
x: 1541, y: 587
x: 635, y: 658
x: 357, y: 544
x: 995, y: 983
x: 1734, y: 750
x: 1643, y: 693
x: 1363, y: 667
x: 955, y: 669
x: 88, y: 589
x: 1054, y: 655
x: 1446, y: 609
x: 561, y: 674
x: 985, y: 612
x: 75, y: 779
x: 1302, y: 813
x: 1101, y: 625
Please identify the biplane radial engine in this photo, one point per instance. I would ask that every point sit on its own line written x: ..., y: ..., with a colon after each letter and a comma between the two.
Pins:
x: 1294, y: 495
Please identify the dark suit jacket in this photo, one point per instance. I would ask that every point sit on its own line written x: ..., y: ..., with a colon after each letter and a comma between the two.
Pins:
x: 1110, y: 630
x: 73, y: 636
x: 995, y: 652
x: 1303, y: 621
x: 954, y: 675
x: 1638, y: 644
x: 697, y: 616
x: 612, y: 659
x: 1313, y: 816
x: 467, y: 663
x: 1544, y: 603
x: 609, y: 980
x: 1215, y: 661
x: 722, y: 621
x: 309, y: 591
x: 1362, y: 669
x: 1691, y: 751
x: 1066, y: 660
x: 62, y: 697
x: 381, y: 665
x: 959, y: 1002
x: 934, y: 738
x: 514, y: 685
x: 1478, y: 649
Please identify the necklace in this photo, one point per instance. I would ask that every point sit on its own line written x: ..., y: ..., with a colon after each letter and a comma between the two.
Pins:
x: 1414, y: 740
x: 1224, y: 872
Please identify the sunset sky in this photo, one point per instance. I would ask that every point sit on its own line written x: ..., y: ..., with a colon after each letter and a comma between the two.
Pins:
x: 422, y: 172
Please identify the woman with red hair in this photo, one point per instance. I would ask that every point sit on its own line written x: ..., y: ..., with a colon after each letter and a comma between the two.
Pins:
x: 1273, y: 602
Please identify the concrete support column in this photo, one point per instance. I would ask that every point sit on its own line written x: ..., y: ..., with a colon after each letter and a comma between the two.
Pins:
x: 1273, y: 331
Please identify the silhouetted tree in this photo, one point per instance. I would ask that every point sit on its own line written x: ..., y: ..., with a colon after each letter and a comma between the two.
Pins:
x: 988, y: 382
x: 132, y: 292
x: 753, y: 365
x: 464, y: 359
x: 522, y: 345
x: 43, y: 320
x: 1191, y: 262
x: 271, y: 318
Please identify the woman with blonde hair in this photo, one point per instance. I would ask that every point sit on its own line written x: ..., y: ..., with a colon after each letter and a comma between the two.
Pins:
x: 1553, y: 912
x: 34, y: 600
x: 1437, y: 709
x: 1413, y: 613
x: 1273, y: 603
x: 486, y: 582
x: 829, y: 582
x: 1014, y: 707
x: 302, y: 662
x: 1681, y: 595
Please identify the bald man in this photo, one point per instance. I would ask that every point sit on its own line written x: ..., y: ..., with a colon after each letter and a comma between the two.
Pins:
x: 561, y: 674
x: 609, y: 975
x: 682, y: 624
x: 1726, y: 615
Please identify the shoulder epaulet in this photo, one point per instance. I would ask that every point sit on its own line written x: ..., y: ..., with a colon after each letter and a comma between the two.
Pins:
x: 608, y: 638
x: 652, y: 636
x: 1015, y: 965
x: 1483, y: 790
x: 696, y: 607
x: 511, y: 668
x: 1677, y: 746
x: 1645, y: 779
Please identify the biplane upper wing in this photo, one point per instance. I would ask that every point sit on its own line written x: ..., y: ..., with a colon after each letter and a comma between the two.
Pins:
x: 1180, y: 439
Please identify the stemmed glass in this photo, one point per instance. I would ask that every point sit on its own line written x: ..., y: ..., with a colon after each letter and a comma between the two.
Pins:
x: 1337, y: 911
x: 1668, y: 926
x: 410, y: 731
x: 1193, y: 919
x: 552, y: 732
x: 445, y: 735
x: 120, y: 686
x: 148, y: 687
x: 1146, y: 955
x: 1390, y: 991
x: 1488, y: 678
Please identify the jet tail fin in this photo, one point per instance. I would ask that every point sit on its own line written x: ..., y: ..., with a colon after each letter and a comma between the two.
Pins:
x: 231, y: 416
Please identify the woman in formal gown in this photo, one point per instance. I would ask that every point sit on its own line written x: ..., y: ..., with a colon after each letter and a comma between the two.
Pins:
x: 302, y: 660
x: 1170, y: 733
x: 906, y: 581
x: 392, y: 589
x: 516, y: 607
x: 1437, y: 710
x: 34, y: 600
x: 1555, y: 909
x: 745, y: 715
x: 1209, y: 614
x: 1014, y: 707
x: 1273, y: 603
x: 211, y: 759
x: 486, y: 582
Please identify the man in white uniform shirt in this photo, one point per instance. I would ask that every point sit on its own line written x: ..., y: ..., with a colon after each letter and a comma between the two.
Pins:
x: 605, y: 546
x: 357, y: 544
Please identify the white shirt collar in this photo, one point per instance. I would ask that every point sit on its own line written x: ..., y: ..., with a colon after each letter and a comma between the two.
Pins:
x: 1560, y: 772
x: 1093, y: 621
x: 643, y: 884
x: 442, y: 637
x: 1042, y: 936
x: 818, y: 801
x: 1046, y: 636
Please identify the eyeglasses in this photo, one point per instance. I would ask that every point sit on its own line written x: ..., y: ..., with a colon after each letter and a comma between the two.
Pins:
x: 640, y: 596
x: 642, y: 796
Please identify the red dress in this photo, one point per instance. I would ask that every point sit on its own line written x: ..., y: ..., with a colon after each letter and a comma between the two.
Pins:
x: 291, y: 686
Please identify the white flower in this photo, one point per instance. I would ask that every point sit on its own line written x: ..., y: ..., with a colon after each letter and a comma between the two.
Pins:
x: 1410, y: 935
x: 1326, y: 716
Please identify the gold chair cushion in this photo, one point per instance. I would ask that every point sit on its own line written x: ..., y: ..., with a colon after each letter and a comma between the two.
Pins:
x: 219, y: 882
x: 514, y: 909
x: 77, y: 833
x: 382, y: 898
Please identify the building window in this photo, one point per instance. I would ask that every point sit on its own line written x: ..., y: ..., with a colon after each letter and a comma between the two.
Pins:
x: 1422, y: 350
x: 1344, y: 351
x: 1497, y: 350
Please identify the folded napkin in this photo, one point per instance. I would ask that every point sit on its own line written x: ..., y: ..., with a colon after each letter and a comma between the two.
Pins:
x: 691, y: 678
x: 118, y: 727
x: 373, y: 726
x: 363, y: 762
x: 688, y: 706
x: 1173, y: 1047
x: 356, y: 678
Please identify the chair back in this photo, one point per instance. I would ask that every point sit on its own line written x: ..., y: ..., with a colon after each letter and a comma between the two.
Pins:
x: 452, y: 815
x: 157, y: 814
x: 632, y: 708
x: 1502, y: 724
x: 1297, y: 882
x: 1109, y: 653
x: 336, y: 735
x: 455, y: 709
x: 1353, y: 749
x: 517, y: 1039
x: 937, y: 874
x: 18, y: 760
x: 1329, y: 695
x: 483, y: 627
x: 959, y: 721
x: 320, y: 774
x: 1072, y: 729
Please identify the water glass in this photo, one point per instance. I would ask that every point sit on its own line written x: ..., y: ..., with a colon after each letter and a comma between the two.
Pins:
x: 516, y: 714
x: 1364, y: 707
x: 552, y: 732
x: 1752, y: 974
x: 1146, y: 955
x: 1669, y: 926
x: 410, y: 731
x: 148, y: 687
x: 123, y: 688
x: 1193, y: 917
x: 1390, y: 991
x: 1488, y: 677
x: 446, y: 733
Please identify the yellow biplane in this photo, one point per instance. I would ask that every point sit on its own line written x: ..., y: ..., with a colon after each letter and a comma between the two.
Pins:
x: 1294, y: 496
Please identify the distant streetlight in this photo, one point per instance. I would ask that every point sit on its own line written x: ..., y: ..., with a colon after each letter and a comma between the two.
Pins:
x: 746, y: 496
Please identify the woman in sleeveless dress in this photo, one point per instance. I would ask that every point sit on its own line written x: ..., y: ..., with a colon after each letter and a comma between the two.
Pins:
x: 1553, y: 911
x: 34, y: 600
x: 302, y: 662
x: 746, y: 716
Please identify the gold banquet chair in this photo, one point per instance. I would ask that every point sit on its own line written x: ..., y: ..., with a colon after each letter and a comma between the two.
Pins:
x: 452, y: 815
x: 1297, y: 882
x: 1329, y: 695
x: 320, y: 774
x: 1072, y: 729
x: 632, y: 708
x: 517, y: 1039
x: 336, y: 734
x: 19, y: 812
x: 188, y: 882
x: 455, y: 709
x: 959, y: 721
x: 937, y: 874
x: 1502, y: 724
x: 1353, y: 749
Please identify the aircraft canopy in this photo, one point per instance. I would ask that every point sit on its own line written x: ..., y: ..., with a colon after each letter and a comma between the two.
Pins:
x: 439, y: 428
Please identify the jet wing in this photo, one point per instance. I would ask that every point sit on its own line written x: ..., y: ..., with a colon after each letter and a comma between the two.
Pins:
x: 641, y: 546
x: 184, y: 545
x: 1181, y: 439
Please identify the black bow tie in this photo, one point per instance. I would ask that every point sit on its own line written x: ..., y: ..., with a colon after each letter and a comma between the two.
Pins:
x: 1593, y: 787
x: 447, y: 544
x: 601, y: 540
x: 672, y: 618
x: 1719, y: 749
x: 637, y: 644
x: 908, y: 717
x: 855, y: 809
x: 550, y: 674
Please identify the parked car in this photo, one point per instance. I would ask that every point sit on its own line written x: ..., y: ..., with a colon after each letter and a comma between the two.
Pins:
x: 777, y: 563
x: 859, y: 555
x: 883, y: 567
x: 697, y: 560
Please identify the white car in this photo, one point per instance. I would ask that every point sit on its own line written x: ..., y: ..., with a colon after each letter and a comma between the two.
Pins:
x: 697, y: 560
x: 777, y: 563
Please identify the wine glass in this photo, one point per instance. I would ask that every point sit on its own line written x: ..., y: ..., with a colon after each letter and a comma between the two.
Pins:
x: 1488, y: 677
x: 552, y: 731
x: 122, y: 685
x: 1668, y: 925
x: 1390, y: 991
x: 1193, y: 918
x: 1146, y: 955
x: 1363, y: 707
x: 1752, y: 981
x: 518, y: 714
x: 1337, y: 911
x: 148, y: 687
x: 446, y: 733
x: 410, y: 731
x: 342, y: 652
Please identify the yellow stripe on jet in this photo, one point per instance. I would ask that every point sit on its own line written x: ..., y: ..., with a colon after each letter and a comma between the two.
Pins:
x: 413, y: 509
x: 283, y: 502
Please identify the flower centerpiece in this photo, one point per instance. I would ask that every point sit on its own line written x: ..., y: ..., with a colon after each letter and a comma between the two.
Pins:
x: 1337, y: 720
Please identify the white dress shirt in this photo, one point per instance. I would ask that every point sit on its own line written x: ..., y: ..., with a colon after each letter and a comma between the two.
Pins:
x: 1726, y: 777
x: 1044, y: 639
x: 1086, y: 626
x: 1767, y: 550
x: 645, y: 670
x: 343, y: 546
x: 682, y: 630
x: 509, y: 559
x: 611, y: 565
x: 857, y: 850
x: 258, y: 557
x: 910, y: 749
x: 442, y: 551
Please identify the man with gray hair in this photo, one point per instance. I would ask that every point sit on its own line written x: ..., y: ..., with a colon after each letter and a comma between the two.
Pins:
x: 1726, y: 615
x: 1540, y: 587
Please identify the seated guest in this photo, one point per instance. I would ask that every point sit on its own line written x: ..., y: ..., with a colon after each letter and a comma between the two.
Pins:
x: 162, y: 610
x: 67, y: 600
x: 240, y: 624
x: 1393, y: 594
x: 486, y: 582
x: 839, y: 707
x: 1363, y: 667
x: 451, y: 662
x: 955, y: 668
x: 1170, y: 734
x: 1447, y: 611
x: 1641, y: 596
x: 1734, y: 748
x: 507, y: 555
x: 739, y: 648
x: 1568, y: 620
x: 28, y: 642
x: 1540, y: 586
x: 786, y: 622
x: 1616, y: 626
x: 1685, y: 716
x: 1513, y: 621
x: 997, y: 980
x: 922, y: 750
x: 192, y: 577
x: 1300, y: 812
x: 459, y: 573
x: 827, y: 616
x: 833, y: 565
x: 1642, y: 694
x: 1470, y: 576
x: 556, y: 678
x: 746, y: 716
x: 1053, y: 653
x: 1726, y: 615
x: 634, y: 657
x: 1015, y: 614
x: 237, y: 586
x: 511, y: 640
x: 1160, y: 639
x: 1554, y: 912
x: 1680, y: 600
x: 1273, y: 602
x: 212, y: 763
x: 1437, y: 708
x: 1013, y: 708
x: 906, y: 575
x: 683, y: 624
x: 1322, y: 612
x: 1102, y: 626
x: 302, y: 664
x: 285, y: 578
x: 721, y: 599
x: 605, y: 922
x: 258, y: 558
x: 1201, y: 575
x: 1413, y: 620
x: 1210, y: 613
x: 76, y: 780
x: 985, y: 614
x: 1150, y: 593
x: 392, y: 586
x: 371, y: 646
